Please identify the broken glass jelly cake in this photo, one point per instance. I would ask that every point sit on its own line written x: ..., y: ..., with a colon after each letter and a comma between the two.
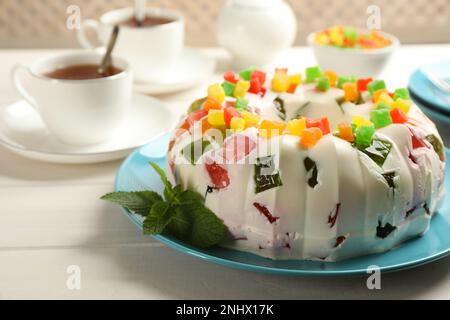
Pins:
x: 313, y: 166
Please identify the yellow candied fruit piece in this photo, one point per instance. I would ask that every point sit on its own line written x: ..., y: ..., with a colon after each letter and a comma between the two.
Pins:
x: 215, y: 91
x: 250, y: 118
x: 270, y: 129
x: 295, y: 79
x: 321, y: 38
x: 402, y: 104
x: 385, y: 98
x: 332, y: 77
x: 336, y: 36
x: 361, y: 121
x: 280, y: 82
x: 237, y: 124
x: 296, y: 126
x: 216, y: 118
x: 241, y: 88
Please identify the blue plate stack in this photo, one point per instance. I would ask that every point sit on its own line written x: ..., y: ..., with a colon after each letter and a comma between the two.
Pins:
x: 427, y: 86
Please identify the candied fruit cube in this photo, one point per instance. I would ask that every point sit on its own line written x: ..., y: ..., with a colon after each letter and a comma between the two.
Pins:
x: 312, y: 73
x: 260, y: 75
x: 228, y: 88
x: 269, y: 128
x: 323, y: 84
x: 332, y: 77
x: 255, y: 85
x: 251, y: 119
x: 380, y: 118
x: 237, y: 124
x: 385, y: 98
x: 361, y: 84
x: 383, y: 105
x: 322, y: 123
x: 230, y: 76
x: 280, y: 82
x: 361, y: 121
x: 241, y: 104
x: 229, y: 113
x: 295, y: 79
x: 211, y: 103
x: 296, y: 126
x: 292, y: 88
x: 402, y: 93
x: 241, y: 88
x: 398, y: 116
x: 350, y: 92
x: 402, y: 104
x: 216, y: 92
x: 346, y: 131
x: 376, y: 85
x: 364, y: 136
x: 321, y: 38
x: 377, y: 94
x: 310, y: 136
x: 336, y: 36
x: 341, y: 80
x: 247, y: 73
x: 216, y: 118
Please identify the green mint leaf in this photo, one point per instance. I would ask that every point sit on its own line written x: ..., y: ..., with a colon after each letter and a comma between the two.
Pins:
x: 162, y: 175
x: 190, y: 197
x: 139, y: 202
x: 159, y: 217
x: 180, y: 224
x: 206, y: 229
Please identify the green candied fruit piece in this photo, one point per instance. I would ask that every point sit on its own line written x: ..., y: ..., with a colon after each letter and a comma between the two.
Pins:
x: 376, y: 85
x: 382, y: 106
x: 241, y: 104
x: 193, y: 151
x: 350, y: 33
x: 247, y: 73
x: 381, y: 118
x: 341, y: 80
x: 196, y: 105
x: 437, y: 145
x: 228, y: 88
x: 266, y: 175
x: 323, y: 84
x: 312, y: 73
x: 378, y: 150
x: 364, y: 136
x: 401, y: 93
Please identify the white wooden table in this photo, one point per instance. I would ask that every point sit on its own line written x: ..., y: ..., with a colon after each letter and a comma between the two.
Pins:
x: 51, y: 218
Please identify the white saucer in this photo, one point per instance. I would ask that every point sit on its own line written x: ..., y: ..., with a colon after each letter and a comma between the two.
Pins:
x: 23, y: 132
x: 192, y: 68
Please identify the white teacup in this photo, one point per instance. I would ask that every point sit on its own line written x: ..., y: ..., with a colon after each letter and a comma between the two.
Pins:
x: 78, y: 112
x: 151, y: 51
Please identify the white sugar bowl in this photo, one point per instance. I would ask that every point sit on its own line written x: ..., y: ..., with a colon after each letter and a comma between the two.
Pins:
x: 255, y: 32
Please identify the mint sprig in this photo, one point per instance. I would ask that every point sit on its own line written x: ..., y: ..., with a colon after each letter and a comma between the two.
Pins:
x: 182, y: 213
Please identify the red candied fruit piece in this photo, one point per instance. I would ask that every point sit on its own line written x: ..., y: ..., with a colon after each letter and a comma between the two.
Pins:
x: 265, y: 212
x: 361, y: 84
x: 230, y: 77
x: 229, y: 113
x: 292, y: 88
x: 398, y: 116
x: 219, y: 176
x: 255, y: 85
x: 417, y: 142
x: 261, y: 76
x: 262, y: 92
x: 195, y: 116
x: 322, y: 123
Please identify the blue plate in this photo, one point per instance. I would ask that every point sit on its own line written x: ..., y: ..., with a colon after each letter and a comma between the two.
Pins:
x: 136, y: 174
x: 426, y: 94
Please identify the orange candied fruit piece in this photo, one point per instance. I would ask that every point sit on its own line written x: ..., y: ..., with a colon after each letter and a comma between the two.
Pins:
x: 212, y: 103
x: 346, y: 131
x: 310, y: 136
x: 332, y: 77
x: 269, y: 129
x: 350, y: 92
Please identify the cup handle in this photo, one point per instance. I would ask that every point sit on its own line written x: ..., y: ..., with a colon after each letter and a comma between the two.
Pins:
x: 81, y: 33
x: 18, y: 84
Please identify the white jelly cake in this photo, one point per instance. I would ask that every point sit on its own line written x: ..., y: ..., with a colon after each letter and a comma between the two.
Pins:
x: 310, y: 166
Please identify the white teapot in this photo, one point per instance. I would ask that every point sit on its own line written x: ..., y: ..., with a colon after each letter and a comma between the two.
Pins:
x: 255, y: 32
